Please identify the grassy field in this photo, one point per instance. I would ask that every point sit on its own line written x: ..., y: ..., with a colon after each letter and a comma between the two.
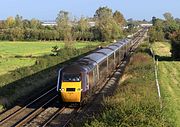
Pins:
x: 9, y: 64
x: 135, y: 102
x: 169, y: 79
x: 33, y: 48
x: 11, y: 51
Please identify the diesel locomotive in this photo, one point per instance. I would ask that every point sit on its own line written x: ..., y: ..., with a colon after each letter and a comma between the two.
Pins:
x: 81, y: 78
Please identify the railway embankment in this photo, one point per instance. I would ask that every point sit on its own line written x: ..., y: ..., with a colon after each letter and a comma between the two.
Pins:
x: 135, y: 101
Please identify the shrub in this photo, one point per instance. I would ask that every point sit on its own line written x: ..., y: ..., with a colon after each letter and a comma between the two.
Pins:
x: 175, y: 49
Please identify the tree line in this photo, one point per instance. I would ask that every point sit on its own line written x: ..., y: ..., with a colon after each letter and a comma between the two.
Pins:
x: 167, y: 29
x: 108, y: 26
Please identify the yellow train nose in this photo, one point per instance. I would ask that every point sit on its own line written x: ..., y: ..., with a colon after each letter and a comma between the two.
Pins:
x: 71, y: 91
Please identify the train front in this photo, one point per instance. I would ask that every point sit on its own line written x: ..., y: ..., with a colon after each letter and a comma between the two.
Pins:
x: 70, y: 84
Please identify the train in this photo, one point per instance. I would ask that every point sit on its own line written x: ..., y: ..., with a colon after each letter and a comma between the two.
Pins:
x: 80, y: 79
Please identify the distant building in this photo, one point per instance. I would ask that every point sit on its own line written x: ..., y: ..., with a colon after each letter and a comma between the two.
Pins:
x: 53, y: 23
x: 49, y: 23
x: 91, y: 24
x: 125, y: 27
x: 1, y: 21
x: 146, y: 25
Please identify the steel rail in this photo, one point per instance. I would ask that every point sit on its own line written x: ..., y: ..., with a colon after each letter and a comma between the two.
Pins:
x: 23, y: 108
x: 53, y: 116
x: 32, y: 114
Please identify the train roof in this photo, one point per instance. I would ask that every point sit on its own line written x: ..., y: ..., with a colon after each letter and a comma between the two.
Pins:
x: 98, y: 56
x: 117, y: 45
x: 125, y: 41
x: 88, y: 62
x: 74, y: 68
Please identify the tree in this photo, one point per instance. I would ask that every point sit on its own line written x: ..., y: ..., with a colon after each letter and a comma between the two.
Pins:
x: 119, y: 18
x: 82, y: 30
x: 83, y: 24
x: 16, y: 34
x: 102, y: 13
x: 55, y: 50
x: 154, y: 20
x: 26, y: 23
x: 96, y: 33
x: 19, y: 21
x: 168, y: 16
x: 2, y: 25
x: 105, y: 23
x: 170, y: 25
x: 159, y: 24
x: 34, y: 24
x: 175, y: 45
x: 116, y: 31
x: 152, y: 35
x: 63, y: 25
x: 10, y: 22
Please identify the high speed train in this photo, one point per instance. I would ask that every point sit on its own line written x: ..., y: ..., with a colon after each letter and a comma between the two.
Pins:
x: 81, y: 78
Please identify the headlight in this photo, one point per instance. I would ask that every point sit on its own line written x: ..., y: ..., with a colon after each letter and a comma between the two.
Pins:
x: 62, y: 89
x: 79, y: 89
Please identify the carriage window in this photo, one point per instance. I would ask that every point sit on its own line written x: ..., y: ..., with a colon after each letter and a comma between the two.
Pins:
x: 71, y: 77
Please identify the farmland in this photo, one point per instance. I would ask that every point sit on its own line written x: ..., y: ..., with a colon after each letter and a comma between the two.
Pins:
x: 169, y: 79
x: 15, y: 55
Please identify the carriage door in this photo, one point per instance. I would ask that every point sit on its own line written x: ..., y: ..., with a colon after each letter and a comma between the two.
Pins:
x: 87, y: 81
x: 91, y: 80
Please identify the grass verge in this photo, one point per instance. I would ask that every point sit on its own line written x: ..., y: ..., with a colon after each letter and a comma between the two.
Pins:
x: 169, y: 80
x: 135, y: 102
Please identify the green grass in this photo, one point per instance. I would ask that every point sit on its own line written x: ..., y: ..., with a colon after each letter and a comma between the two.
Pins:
x: 9, y: 64
x: 135, y: 102
x: 33, y: 48
x: 169, y: 79
x: 162, y: 48
x: 10, y: 51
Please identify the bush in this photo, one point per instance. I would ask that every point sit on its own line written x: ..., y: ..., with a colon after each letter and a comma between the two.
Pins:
x: 18, y: 56
x: 175, y: 49
x: 155, y: 35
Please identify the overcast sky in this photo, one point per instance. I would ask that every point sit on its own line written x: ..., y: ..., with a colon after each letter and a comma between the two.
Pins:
x: 48, y: 9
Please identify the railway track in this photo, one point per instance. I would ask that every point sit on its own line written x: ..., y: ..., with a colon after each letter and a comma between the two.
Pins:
x: 23, y: 114
x: 53, y: 117
x: 62, y: 118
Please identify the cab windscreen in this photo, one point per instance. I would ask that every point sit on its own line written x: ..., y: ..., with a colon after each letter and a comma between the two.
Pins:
x: 71, y: 77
